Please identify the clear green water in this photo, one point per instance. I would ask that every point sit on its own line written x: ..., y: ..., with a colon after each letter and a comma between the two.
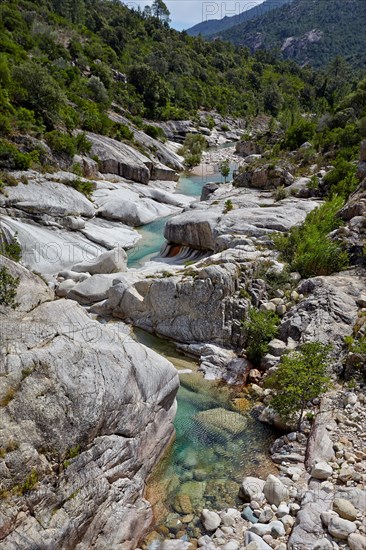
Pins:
x: 152, y: 233
x: 149, y: 245
x: 210, y: 455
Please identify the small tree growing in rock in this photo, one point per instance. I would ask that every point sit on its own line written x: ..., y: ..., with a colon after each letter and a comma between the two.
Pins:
x: 300, y: 377
x: 225, y: 169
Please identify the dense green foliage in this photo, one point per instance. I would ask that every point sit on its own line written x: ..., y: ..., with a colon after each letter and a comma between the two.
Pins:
x: 67, y: 70
x: 260, y: 328
x: 308, y: 249
x: 11, y: 249
x: 338, y: 25
x: 65, y: 64
x: 300, y: 377
x: 8, y: 288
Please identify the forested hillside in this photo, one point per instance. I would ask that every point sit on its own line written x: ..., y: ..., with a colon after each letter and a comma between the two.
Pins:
x: 214, y: 26
x: 63, y: 64
x: 308, y: 31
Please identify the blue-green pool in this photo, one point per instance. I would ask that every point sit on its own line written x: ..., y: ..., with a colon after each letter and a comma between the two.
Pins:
x: 217, y: 443
x: 152, y: 237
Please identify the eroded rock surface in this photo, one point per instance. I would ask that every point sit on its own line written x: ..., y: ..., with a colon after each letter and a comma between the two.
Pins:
x: 86, y: 412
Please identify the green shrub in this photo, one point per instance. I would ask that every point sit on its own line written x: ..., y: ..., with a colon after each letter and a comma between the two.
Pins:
x: 8, y: 288
x: 225, y: 169
x: 83, y: 186
x: 300, y: 377
x: 37, y: 90
x: 308, y: 249
x: 61, y: 143
x: 280, y: 193
x: 260, y: 328
x: 124, y: 132
x: 341, y: 180
x: 228, y: 206
x: 299, y: 133
x: 11, y: 249
x: 7, y: 179
x: 11, y: 158
x: 192, y: 149
x: 65, y: 144
x: 154, y: 131
x: 82, y: 144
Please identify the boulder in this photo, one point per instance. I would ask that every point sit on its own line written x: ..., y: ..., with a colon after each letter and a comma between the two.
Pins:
x: 276, y: 347
x: 208, y: 190
x: 192, y: 228
x: 163, y: 173
x: 92, y: 290
x: 248, y: 515
x: 250, y: 487
x: 246, y: 148
x: 263, y: 177
x: 92, y: 411
x: 333, y: 298
x: 340, y: 528
x: 113, y: 261
x: 321, y: 470
x: 185, y: 308
x: 309, y: 528
x: 127, y: 206
x: 356, y: 541
x: 210, y: 520
x: 275, y: 491
x: 221, y: 422
x: 345, y: 509
x: 64, y: 288
x: 31, y: 290
x: 118, y: 158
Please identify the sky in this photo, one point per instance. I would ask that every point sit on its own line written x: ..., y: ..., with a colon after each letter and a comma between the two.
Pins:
x: 186, y: 13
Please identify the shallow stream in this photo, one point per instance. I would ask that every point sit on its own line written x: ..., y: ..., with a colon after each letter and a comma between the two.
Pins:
x: 217, y: 440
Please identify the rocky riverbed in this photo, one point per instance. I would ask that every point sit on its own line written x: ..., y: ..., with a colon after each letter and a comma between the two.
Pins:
x: 88, y: 411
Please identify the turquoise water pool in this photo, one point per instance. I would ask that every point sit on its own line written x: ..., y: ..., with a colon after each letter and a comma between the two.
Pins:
x: 217, y: 443
x: 152, y: 237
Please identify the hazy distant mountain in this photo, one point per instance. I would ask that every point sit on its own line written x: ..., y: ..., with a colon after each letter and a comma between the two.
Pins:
x: 308, y: 31
x: 214, y: 26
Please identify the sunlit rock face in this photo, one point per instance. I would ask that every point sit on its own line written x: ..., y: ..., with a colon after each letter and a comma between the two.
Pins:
x: 86, y: 413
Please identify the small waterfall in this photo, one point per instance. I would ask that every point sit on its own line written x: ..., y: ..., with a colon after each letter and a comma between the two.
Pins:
x: 180, y: 253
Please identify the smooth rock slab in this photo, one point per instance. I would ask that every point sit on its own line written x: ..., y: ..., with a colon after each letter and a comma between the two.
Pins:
x: 121, y: 159
x: 87, y: 385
